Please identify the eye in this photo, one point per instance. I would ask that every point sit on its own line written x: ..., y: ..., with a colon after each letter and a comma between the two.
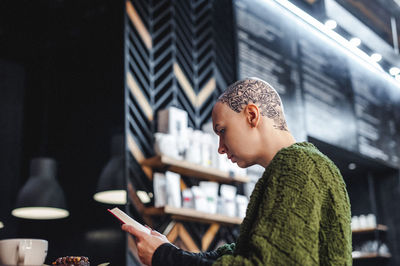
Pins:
x: 222, y: 131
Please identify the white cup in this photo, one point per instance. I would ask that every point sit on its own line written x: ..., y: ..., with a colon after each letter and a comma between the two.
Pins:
x: 19, y: 251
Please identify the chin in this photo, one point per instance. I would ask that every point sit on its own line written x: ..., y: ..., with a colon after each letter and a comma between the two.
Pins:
x: 242, y: 164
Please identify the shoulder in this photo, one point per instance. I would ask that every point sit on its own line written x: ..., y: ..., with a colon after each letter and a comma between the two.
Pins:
x: 297, y: 157
x: 302, y: 160
x: 303, y: 154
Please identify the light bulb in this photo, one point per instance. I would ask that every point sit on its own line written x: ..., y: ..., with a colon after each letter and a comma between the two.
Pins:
x: 331, y: 24
x: 355, y: 41
x: 376, y: 57
x: 394, y: 71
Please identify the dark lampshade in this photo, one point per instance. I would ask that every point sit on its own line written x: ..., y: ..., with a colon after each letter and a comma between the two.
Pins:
x: 41, y: 197
x: 111, y: 187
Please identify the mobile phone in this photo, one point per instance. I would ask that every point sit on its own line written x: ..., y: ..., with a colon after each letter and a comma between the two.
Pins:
x: 126, y: 219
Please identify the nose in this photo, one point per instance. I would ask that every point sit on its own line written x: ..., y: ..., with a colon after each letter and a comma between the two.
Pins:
x: 221, y: 148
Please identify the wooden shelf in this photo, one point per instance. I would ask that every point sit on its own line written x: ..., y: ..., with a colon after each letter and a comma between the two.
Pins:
x: 190, y: 169
x: 373, y: 255
x: 379, y: 227
x: 186, y: 214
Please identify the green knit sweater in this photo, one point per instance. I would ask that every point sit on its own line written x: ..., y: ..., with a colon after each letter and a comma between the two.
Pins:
x: 298, y: 214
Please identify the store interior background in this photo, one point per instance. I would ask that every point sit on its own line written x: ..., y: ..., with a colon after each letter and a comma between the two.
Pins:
x: 63, y: 69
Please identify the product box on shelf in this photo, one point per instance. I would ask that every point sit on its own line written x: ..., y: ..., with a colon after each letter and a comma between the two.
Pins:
x: 167, y: 189
x: 210, y: 190
x: 228, y: 197
x: 173, y: 121
x: 166, y: 144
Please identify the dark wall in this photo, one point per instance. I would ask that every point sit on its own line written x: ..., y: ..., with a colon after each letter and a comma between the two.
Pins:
x: 62, y: 96
x: 12, y: 78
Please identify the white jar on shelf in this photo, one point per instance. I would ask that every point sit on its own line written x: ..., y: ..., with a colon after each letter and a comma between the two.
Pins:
x: 165, y: 144
x: 160, y: 190
x: 187, y: 198
x: 206, y: 142
x: 228, y: 194
x: 241, y: 205
x: 193, y: 152
x: 210, y: 190
x: 173, y: 189
x: 200, y: 202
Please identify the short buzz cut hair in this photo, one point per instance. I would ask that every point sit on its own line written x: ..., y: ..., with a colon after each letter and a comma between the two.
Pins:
x: 254, y: 90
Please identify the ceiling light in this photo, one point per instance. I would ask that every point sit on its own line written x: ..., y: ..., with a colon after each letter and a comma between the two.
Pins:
x: 355, y: 41
x: 40, y: 213
x: 143, y: 196
x: 376, y: 57
x: 1, y: 225
x: 351, y: 50
x: 111, y: 197
x: 41, y: 197
x: 111, y: 187
x: 330, y: 24
x: 394, y: 71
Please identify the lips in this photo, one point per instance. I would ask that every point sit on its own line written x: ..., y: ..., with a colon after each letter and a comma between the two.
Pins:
x: 231, y: 157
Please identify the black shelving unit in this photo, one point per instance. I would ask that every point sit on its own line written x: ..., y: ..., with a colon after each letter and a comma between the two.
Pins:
x: 368, y: 188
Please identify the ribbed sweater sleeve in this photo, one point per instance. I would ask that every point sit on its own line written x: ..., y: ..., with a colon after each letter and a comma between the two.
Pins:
x: 286, y: 229
x: 169, y: 255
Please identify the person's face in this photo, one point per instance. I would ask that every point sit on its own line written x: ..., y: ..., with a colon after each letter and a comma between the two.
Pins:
x: 235, y: 135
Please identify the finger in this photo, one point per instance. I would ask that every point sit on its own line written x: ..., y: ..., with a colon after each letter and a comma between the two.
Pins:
x: 154, y: 232
x: 132, y: 230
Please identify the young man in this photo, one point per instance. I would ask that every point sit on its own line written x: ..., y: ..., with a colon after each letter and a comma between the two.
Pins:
x: 299, y: 211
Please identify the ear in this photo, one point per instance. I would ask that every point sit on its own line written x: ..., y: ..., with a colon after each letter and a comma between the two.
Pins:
x: 252, y: 114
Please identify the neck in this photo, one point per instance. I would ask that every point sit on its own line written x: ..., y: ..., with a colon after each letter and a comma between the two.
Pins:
x: 280, y: 140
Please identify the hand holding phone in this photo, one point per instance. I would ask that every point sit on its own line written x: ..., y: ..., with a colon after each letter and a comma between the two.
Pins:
x: 126, y: 219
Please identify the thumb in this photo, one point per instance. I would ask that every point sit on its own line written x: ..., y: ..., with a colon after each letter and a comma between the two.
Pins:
x: 132, y: 230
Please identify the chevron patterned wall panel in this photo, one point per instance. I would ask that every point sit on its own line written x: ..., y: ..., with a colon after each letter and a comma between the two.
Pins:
x: 177, y: 53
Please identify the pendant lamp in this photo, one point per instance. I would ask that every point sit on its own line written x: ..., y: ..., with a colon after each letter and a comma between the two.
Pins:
x: 111, y: 187
x: 41, y: 198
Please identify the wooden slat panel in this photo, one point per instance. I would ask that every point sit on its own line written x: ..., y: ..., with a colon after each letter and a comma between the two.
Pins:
x: 187, y: 239
x: 183, y: 81
x: 205, y: 92
x: 139, y: 25
x: 134, y: 149
x: 140, y: 98
x: 173, y: 234
x: 209, y: 236
x: 138, y: 155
